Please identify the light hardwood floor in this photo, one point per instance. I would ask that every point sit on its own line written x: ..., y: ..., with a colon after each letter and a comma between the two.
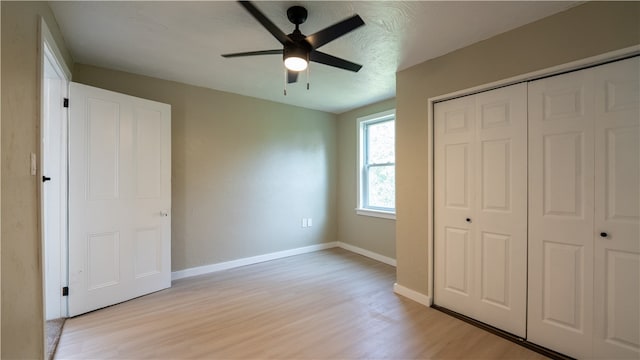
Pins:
x: 324, y: 305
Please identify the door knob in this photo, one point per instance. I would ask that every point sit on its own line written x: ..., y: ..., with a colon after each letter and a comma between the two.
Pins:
x: 45, y: 178
x: 468, y: 220
x: 604, y: 235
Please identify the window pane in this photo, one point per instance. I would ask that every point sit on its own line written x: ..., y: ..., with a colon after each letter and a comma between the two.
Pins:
x: 381, y: 138
x: 381, y: 189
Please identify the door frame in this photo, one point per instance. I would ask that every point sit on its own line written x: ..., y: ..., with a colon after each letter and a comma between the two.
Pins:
x: 49, y: 52
x: 535, y: 75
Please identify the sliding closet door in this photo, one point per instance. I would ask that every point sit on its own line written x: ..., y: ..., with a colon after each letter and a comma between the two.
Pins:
x: 617, y: 211
x: 480, y: 207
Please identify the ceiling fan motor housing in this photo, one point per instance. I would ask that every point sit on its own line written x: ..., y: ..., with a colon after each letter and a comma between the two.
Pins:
x: 297, y: 15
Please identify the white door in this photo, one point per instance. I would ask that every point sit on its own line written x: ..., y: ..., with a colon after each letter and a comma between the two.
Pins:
x: 584, y: 159
x: 119, y: 197
x: 561, y: 149
x: 617, y: 211
x: 480, y: 207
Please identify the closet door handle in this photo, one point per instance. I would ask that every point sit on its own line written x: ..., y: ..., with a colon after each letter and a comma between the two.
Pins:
x: 604, y: 235
x: 468, y: 220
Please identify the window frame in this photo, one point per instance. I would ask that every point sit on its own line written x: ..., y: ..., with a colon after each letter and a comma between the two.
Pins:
x: 362, y: 169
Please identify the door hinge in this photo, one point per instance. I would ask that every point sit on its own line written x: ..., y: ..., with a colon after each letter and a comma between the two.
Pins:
x: 65, y: 291
x: 65, y: 102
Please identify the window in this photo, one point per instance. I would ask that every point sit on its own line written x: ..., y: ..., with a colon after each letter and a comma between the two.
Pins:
x: 377, y: 165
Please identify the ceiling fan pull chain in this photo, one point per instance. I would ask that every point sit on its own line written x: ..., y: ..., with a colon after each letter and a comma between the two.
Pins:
x: 308, y: 77
x: 285, y: 81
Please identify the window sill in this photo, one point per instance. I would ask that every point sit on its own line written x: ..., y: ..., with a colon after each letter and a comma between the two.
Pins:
x: 377, y: 213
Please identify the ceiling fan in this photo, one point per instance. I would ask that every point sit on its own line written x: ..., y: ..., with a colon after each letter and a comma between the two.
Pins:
x: 299, y: 49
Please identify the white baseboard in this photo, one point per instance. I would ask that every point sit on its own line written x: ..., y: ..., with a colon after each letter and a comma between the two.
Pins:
x: 206, y: 269
x: 370, y: 254
x: 412, y: 294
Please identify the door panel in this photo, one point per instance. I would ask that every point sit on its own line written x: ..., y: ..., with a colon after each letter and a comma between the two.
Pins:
x: 456, y: 174
x: 454, y: 128
x: 494, y: 288
x: 456, y: 260
x: 480, y: 197
x: 119, y: 198
x: 561, y: 165
x: 563, y: 303
x: 617, y: 196
x: 563, y: 186
x: 500, y: 221
x: 584, y: 238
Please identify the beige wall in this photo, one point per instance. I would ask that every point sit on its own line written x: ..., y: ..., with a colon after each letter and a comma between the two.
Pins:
x: 22, y: 308
x: 244, y: 171
x: 583, y: 31
x: 369, y: 233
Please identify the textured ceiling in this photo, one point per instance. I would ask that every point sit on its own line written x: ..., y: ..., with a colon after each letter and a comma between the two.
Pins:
x: 182, y: 41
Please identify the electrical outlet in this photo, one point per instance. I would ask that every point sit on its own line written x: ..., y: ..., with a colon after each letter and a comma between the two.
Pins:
x: 310, y: 222
x: 304, y: 222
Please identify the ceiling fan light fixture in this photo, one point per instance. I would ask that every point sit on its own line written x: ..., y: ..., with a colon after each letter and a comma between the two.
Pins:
x: 295, y: 63
x: 295, y: 58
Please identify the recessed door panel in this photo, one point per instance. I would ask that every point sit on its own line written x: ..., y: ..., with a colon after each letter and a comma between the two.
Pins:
x: 495, y: 265
x: 563, y: 285
x: 148, y: 152
x: 103, y: 259
x: 496, y: 175
x: 622, y: 310
x: 457, y: 121
x: 456, y: 181
x: 622, y: 174
x: 148, y: 252
x: 496, y: 114
x: 563, y: 103
x: 563, y: 174
x: 103, y: 147
x: 456, y: 260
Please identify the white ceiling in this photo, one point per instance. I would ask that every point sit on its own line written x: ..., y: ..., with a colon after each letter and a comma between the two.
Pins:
x: 182, y: 41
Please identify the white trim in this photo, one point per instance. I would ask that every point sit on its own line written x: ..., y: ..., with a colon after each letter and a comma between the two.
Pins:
x: 370, y: 254
x: 373, y: 118
x: 49, y: 52
x: 206, y: 269
x: 381, y: 116
x: 420, y: 298
x: 211, y: 268
x: 554, y: 70
x: 376, y: 213
x: 47, y: 37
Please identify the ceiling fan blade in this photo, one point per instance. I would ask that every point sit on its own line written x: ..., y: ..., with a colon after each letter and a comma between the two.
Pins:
x: 334, y: 31
x: 292, y: 76
x: 262, y: 19
x: 254, y: 53
x: 331, y: 60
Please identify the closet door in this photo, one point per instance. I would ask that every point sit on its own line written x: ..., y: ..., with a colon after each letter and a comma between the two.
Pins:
x: 454, y: 130
x: 617, y: 211
x: 480, y: 202
x: 584, y: 165
x: 561, y: 148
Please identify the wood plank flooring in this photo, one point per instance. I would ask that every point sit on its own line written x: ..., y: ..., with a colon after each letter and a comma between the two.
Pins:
x: 324, y: 305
